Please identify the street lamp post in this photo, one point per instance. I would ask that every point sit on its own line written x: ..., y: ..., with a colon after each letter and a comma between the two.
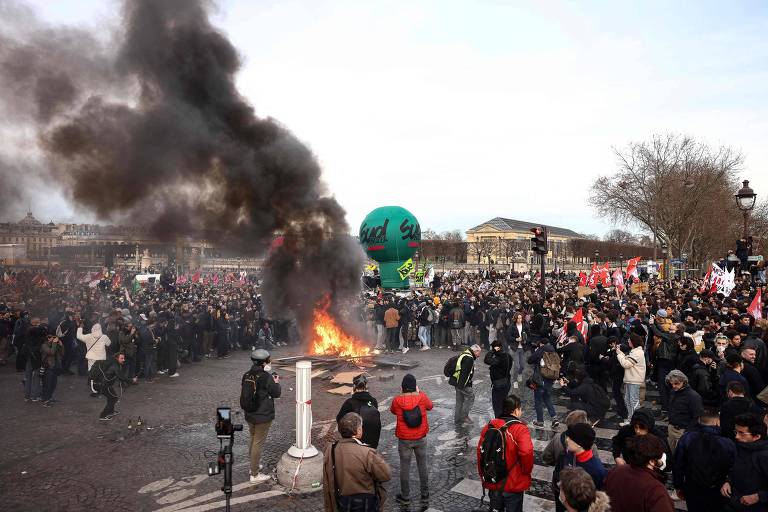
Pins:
x: 597, y: 256
x: 745, y: 200
x: 621, y: 262
x: 664, y: 259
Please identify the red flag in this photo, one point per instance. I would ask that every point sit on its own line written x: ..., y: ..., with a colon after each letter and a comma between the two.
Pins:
x: 706, y: 280
x: 116, y: 279
x: 592, y: 281
x: 215, y: 279
x: 582, y: 278
x: 756, y: 308
x: 618, y: 280
x: 206, y: 281
x: 581, y: 325
x: 605, y: 275
x: 632, y: 269
x: 196, y: 277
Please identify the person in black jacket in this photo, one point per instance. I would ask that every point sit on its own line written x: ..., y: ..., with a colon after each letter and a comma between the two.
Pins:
x: 597, y: 350
x: 663, y: 354
x: 36, y: 335
x: 684, y: 407
x: 572, y: 354
x: 259, y: 389
x: 701, y: 464
x: 542, y: 395
x: 584, y: 395
x: 500, y: 363
x: 751, y: 373
x: 641, y: 423
x: 747, y: 485
x: 703, y: 378
x: 465, y: 395
x: 363, y: 403
x: 105, y: 374
x: 735, y: 405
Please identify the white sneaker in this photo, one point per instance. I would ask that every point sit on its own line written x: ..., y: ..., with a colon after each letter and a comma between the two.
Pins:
x: 515, y: 385
x: 405, y: 350
x: 424, y: 348
x: 519, y: 378
x: 624, y: 423
x: 174, y: 375
x: 261, y: 477
x: 162, y: 372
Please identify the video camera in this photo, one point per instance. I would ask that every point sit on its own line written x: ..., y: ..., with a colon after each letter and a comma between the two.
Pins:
x: 225, y: 430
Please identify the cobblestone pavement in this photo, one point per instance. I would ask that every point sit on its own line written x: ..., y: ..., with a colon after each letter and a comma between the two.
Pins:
x: 64, y: 459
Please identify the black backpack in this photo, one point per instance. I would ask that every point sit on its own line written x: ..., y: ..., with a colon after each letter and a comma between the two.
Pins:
x: 249, y: 394
x: 412, y: 417
x: 450, y: 367
x: 493, y: 454
x: 708, y: 472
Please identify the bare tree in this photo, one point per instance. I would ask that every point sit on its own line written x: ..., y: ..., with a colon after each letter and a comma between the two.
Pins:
x: 620, y: 236
x: 678, y: 189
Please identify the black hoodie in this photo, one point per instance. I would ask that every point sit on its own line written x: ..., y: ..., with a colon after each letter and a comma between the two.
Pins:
x: 645, y: 417
x: 363, y: 403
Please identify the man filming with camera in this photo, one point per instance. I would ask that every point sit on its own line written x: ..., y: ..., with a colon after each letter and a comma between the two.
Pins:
x: 259, y: 388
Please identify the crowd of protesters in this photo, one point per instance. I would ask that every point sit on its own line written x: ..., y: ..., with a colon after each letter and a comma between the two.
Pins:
x: 703, y: 354
x: 115, y: 338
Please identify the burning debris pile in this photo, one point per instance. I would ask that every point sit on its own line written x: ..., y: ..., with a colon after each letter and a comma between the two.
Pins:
x: 148, y: 128
x: 330, y: 339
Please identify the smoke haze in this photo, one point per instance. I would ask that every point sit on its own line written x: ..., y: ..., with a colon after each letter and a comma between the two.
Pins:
x: 149, y: 128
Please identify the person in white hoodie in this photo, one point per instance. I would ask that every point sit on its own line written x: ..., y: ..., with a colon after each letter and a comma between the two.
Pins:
x: 634, y: 373
x: 96, y: 344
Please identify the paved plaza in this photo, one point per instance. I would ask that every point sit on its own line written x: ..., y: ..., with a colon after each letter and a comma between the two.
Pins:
x: 63, y: 458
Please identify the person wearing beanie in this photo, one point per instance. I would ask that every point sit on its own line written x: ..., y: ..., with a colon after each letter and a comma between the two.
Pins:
x: 641, y: 424
x: 410, y: 408
x: 364, y: 404
x: 703, y: 378
x: 685, y: 407
x: 500, y: 362
x: 579, y: 439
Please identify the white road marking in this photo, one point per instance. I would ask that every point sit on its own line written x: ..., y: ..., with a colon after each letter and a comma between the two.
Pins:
x: 156, y: 486
x: 474, y: 489
x: 234, y: 501
x: 202, y: 499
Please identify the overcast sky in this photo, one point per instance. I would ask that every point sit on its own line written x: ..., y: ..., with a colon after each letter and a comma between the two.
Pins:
x: 464, y: 111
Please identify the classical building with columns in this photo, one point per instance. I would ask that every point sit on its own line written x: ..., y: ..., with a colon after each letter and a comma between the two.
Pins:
x: 508, y: 241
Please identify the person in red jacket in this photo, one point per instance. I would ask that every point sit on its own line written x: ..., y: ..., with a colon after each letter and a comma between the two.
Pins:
x: 411, y: 408
x: 508, y: 495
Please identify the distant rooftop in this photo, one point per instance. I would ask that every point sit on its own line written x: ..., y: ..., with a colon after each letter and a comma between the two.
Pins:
x: 521, y: 225
x: 30, y: 220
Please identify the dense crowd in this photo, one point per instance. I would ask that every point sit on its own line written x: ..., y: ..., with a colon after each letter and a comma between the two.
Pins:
x: 117, y: 339
x: 702, y: 352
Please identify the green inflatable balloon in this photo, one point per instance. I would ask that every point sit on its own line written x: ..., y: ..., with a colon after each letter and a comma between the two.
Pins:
x: 391, y: 235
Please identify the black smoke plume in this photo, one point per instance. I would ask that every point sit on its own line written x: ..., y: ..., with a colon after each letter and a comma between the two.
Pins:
x: 149, y: 128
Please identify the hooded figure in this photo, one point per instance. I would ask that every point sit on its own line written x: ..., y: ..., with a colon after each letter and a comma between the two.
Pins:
x: 96, y: 344
x: 642, y: 423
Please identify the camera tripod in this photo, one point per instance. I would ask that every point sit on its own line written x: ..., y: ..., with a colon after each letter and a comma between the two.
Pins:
x: 224, y: 461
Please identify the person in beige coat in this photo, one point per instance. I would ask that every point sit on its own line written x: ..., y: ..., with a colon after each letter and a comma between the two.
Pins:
x: 634, y: 373
x: 353, y: 472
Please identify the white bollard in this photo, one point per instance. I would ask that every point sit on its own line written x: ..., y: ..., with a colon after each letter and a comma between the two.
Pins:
x: 303, y: 447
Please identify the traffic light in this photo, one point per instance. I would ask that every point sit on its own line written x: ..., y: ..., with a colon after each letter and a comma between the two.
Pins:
x: 539, y: 241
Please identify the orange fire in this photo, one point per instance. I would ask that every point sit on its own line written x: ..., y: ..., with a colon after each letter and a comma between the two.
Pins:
x: 330, y: 339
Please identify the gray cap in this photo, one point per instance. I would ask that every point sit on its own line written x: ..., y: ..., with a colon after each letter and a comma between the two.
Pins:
x: 259, y: 355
